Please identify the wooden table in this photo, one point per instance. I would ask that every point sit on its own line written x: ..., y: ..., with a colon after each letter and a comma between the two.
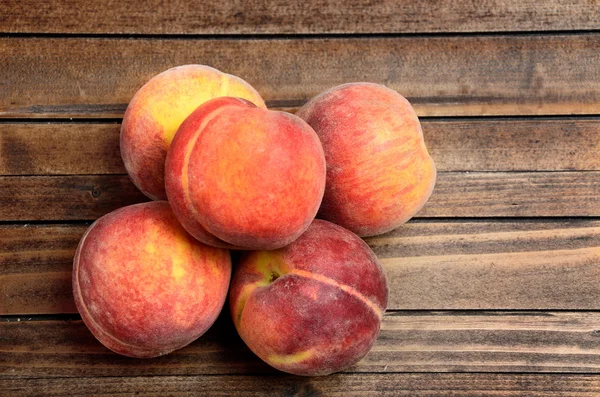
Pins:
x: 494, y: 285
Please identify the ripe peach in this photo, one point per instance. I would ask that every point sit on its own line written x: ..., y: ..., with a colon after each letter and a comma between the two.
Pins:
x: 157, y: 110
x: 238, y: 176
x: 143, y: 286
x: 313, y: 307
x: 379, y: 173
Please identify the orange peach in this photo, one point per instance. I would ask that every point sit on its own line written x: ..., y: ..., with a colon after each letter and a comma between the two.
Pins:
x: 379, y: 173
x: 313, y: 307
x: 159, y: 108
x: 238, y: 176
x: 143, y: 286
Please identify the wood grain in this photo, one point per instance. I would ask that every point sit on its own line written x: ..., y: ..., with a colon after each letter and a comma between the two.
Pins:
x: 261, y: 16
x: 437, y: 265
x: 60, y: 149
x: 35, y: 268
x: 502, y: 298
x: 441, y: 76
x: 523, y: 194
x: 88, y: 197
x: 456, y: 194
x: 492, y: 265
x: 564, y: 342
x: 514, y: 145
x: 456, y: 145
x: 413, y: 385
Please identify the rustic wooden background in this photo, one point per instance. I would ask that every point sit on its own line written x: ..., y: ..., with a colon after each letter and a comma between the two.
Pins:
x: 494, y: 285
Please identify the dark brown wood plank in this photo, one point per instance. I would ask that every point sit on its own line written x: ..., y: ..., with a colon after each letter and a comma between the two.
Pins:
x: 60, y: 149
x: 35, y: 268
x: 524, y: 194
x: 564, y: 342
x: 447, y: 75
x: 492, y: 265
x: 261, y: 16
x: 514, y: 145
x: 413, y: 385
x: 433, y: 265
x: 87, y: 197
x: 456, y: 145
x: 457, y: 194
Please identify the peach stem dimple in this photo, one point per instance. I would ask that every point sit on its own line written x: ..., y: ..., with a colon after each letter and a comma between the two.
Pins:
x: 274, y: 276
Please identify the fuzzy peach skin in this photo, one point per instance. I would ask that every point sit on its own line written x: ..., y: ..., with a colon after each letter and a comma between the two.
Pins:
x: 379, y: 173
x: 159, y: 108
x: 144, y: 286
x: 313, y: 307
x: 238, y: 176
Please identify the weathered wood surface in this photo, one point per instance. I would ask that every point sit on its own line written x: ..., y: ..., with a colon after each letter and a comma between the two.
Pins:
x: 563, y: 342
x: 434, y: 265
x: 60, y: 149
x: 74, y: 197
x: 502, y: 297
x: 262, y: 16
x: 456, y: 145
x: 451, y: 75
x: 342, y: 385
x: 35, y: 268
x: 457, y: 194
x: 523, y: 194
x: 514, y: 145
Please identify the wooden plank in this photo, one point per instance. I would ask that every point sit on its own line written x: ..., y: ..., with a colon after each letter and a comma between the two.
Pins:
x: 479, y: 194
x: 60, y: 149
x: 413, y: 385
x: 564, y: 342
x: 490, y: 265
x: 88, y: 197
x: 35, y: 268
x: 308, y: 17
x: 456, y: 145
x: 459, y: 265
x: 456, y: 194
x: 514, y: 145
x: 448, y: 75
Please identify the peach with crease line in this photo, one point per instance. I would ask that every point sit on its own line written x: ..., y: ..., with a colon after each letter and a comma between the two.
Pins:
x: 313, y: 307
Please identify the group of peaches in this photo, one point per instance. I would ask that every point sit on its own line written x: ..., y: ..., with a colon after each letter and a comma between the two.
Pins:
x: 307, y: 295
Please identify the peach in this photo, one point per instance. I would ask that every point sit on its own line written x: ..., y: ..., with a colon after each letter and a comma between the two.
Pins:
x: 143, y: 286
x: 379, y: 173
x: 238, y: 176
x: 313, y: 307
x: 159, y: 108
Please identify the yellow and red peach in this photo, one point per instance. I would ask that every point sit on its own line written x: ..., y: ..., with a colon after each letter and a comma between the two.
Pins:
x: 238, y: 176
x: 159, y: 108
x: 379, y: 173
x: 313, y: 307
x: 143, y: 286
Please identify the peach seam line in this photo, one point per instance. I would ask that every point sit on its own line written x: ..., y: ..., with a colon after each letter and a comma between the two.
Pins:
x: 345, y: 288
x: 186, y: 163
